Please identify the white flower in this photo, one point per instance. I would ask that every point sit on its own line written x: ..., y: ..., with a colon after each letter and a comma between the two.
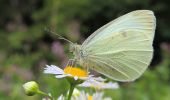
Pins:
x: 82, y: 96
x: 99, y: 96
x: 76, y: 92
x: 95, y: 96
x: 68, y: 71
x: 99, y: 83
x: 61, y: 97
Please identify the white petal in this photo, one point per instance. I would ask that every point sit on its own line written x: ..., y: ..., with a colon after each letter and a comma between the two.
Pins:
x: 53, y: 70
x: 111, y: 85
x: 75, y: 77
x: 61, y: 97
x: 82, y: 96
x: 61, y: 76
x: 85, y: 84
x: 99, y: 85
x: 98, y: 96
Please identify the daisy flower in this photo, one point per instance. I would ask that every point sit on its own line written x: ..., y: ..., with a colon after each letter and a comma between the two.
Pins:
x: 69, y: 71
x: 85, y: 96
x: 95, y: 96
x: 99, y: 84
x: 74, y: 75
x: 77, y: 76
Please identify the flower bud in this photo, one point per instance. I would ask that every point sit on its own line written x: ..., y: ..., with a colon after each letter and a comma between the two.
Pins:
x: 31, y: 88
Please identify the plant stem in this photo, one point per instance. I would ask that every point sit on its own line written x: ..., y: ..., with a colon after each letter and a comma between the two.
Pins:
x: 72, y: 86
x: 42, y: 93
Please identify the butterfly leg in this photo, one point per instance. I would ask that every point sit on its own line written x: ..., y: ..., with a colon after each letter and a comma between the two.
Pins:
x: 71, y: 62
x: 86, y: 67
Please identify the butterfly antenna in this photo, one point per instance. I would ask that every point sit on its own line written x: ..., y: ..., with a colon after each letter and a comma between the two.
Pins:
x: 59, y: 36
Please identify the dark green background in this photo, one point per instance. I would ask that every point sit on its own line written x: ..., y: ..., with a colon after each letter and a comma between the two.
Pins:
x: 25, y: 46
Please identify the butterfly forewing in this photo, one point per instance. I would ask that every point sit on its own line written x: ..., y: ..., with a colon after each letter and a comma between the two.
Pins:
x: 140, y: 20
x: 122, y: 49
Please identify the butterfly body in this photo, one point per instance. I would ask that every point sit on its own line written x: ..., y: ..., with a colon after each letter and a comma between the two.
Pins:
x: 121, y: 49
x: 80, y: 56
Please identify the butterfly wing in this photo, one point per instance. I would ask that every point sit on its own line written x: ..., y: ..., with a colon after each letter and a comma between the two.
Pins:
x: 122, y: 49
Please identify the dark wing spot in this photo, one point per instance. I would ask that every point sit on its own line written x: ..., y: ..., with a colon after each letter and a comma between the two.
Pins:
x: 124, y: 33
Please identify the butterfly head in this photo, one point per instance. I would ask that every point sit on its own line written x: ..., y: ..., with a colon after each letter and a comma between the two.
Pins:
x: 74, y: 48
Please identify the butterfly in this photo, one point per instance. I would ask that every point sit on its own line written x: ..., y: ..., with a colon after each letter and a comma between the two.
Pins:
x: 122, y: 49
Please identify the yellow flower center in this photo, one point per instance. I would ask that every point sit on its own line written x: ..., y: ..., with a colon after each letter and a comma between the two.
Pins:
x: 90, y: 97
x: 75, y: 71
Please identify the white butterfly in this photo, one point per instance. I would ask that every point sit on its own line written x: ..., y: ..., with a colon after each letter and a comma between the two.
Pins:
x: 121, y: 49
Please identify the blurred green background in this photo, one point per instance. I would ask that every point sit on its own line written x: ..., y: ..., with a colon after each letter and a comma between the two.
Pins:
x: 25, y: 46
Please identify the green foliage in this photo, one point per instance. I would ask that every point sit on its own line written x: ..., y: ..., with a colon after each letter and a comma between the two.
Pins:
x: 25, y: 46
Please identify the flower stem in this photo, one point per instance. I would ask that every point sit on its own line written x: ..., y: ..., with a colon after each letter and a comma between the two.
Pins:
x: 42, y: 93
x: 72, y: 86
